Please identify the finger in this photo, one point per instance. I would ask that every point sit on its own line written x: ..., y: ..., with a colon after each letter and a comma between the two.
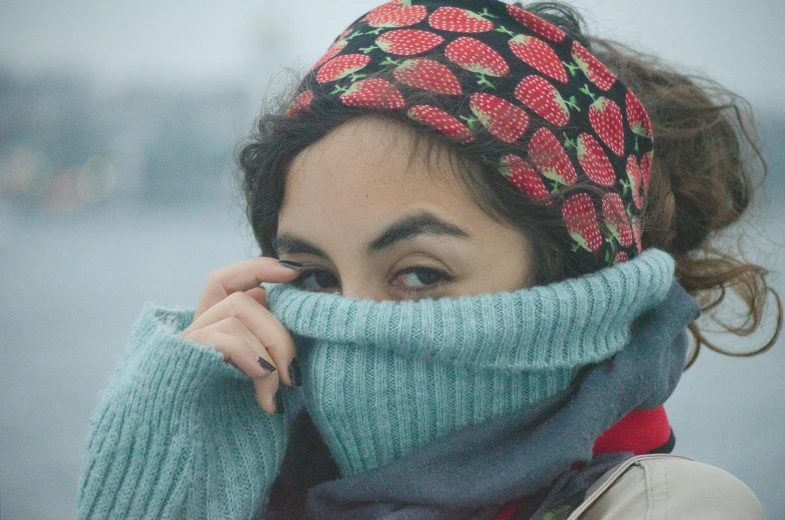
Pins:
x: 237, y: 328
x: 259, y: 294
x: 270, y: 332
x: 235, y: 350
x: 242, y: 276
x: 266, y: 388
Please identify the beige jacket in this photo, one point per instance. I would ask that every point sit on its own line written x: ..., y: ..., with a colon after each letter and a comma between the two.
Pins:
x: 668, y: 487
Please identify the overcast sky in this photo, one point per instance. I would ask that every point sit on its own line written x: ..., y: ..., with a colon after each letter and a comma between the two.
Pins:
x: 187, y: 43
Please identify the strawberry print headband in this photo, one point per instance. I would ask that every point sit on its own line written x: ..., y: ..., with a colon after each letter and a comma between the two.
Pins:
x: 561, y: 116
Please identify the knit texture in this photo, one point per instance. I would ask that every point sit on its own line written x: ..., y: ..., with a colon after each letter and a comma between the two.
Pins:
x: 178, y: 432
x: 383, y: 378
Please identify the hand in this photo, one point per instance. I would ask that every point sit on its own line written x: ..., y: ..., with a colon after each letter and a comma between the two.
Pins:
x: 232, y: 316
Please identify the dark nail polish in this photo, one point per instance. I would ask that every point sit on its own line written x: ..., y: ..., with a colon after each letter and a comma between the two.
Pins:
x: 291, y: 265
x: 265, y: 364
x: 294, y: 373
x: 278, y: 401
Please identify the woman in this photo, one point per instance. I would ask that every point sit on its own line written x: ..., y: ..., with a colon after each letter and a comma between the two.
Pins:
x: 473, y: 297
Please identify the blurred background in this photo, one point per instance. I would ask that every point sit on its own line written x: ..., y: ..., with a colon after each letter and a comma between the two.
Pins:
x: 118, y: 123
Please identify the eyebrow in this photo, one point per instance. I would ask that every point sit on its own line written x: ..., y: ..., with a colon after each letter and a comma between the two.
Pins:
x: 407, y: 228
x: 288, y: 244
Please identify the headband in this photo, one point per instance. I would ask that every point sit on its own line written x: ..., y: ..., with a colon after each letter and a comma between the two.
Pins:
x: 559, y: 116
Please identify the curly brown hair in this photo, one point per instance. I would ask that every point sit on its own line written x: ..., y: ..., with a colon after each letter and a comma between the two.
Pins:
x: 706, y: 162
x: 707, y: 166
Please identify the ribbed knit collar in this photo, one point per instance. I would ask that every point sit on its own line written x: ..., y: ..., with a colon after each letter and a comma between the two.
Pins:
x: 470, y: 473
x: 565, y: 324
x: 446, y: 406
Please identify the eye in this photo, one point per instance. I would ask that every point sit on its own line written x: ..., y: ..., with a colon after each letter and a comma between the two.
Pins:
x: 422, y: 278
x: 317, y: 280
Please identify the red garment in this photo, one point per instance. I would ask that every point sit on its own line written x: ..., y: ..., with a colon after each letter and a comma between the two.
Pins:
x: 639, y: 432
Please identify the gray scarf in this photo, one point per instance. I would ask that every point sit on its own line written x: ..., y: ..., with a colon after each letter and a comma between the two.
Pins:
x: 471, y: 473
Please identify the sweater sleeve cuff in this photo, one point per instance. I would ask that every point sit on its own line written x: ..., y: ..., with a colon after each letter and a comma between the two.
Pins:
x: 177, y: 368
x: 178, y: 421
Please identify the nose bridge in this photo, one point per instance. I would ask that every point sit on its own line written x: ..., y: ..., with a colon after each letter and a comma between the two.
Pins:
x: 359, y: 276
x: 356, y: 287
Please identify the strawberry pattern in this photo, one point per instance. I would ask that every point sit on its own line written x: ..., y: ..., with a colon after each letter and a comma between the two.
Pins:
x: 475, y: 56
x: 606, y: 119
x: 543, y: 98
x: 331, y: 52
x: 616, y: 218
x: 341, y: 66
x: 637, y: 232
x: 441, y: 121
x: 301, y: 102
x: 536, y: 24
x: 645, y: 168
x: 634, y: 182
x: 637, y: 118
x: 487, y: 70
x: 373, y: 93
x: 594, y: 161
x: 503, y: 119
x: 539, y: 55
x: 524, y: 177
x: 398, y: 17
x: 455, y: 19
x: 550, y: 158
x: 580, y: 217
x: 620, y: 257
x: 592, y: 68
x: 636, y: 115
x: 429, y: 75
x: 405, y: 42
x: 385, y: 8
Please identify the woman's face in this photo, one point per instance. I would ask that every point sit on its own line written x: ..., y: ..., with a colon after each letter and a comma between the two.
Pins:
x: 370, y: 218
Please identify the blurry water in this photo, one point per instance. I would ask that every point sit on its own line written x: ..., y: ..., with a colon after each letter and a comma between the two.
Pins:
x: 72, y: 287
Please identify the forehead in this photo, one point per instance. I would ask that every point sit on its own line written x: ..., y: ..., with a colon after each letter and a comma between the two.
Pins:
x: 370, y: 165
x: 346, y: 189
x: 371, y: 144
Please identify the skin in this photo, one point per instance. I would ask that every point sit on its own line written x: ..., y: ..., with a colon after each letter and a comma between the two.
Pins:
x: 368, y: 216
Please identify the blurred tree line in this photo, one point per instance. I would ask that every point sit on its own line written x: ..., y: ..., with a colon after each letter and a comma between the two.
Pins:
x: 63, y: 145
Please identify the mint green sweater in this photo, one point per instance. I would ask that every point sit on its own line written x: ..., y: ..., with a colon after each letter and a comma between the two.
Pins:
x: 178, y: 432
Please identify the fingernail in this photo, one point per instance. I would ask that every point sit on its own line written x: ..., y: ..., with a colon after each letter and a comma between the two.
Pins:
x: 278, y: 401
x: 294, y: 373
x: 291, y: 265
x: 265, y: 364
